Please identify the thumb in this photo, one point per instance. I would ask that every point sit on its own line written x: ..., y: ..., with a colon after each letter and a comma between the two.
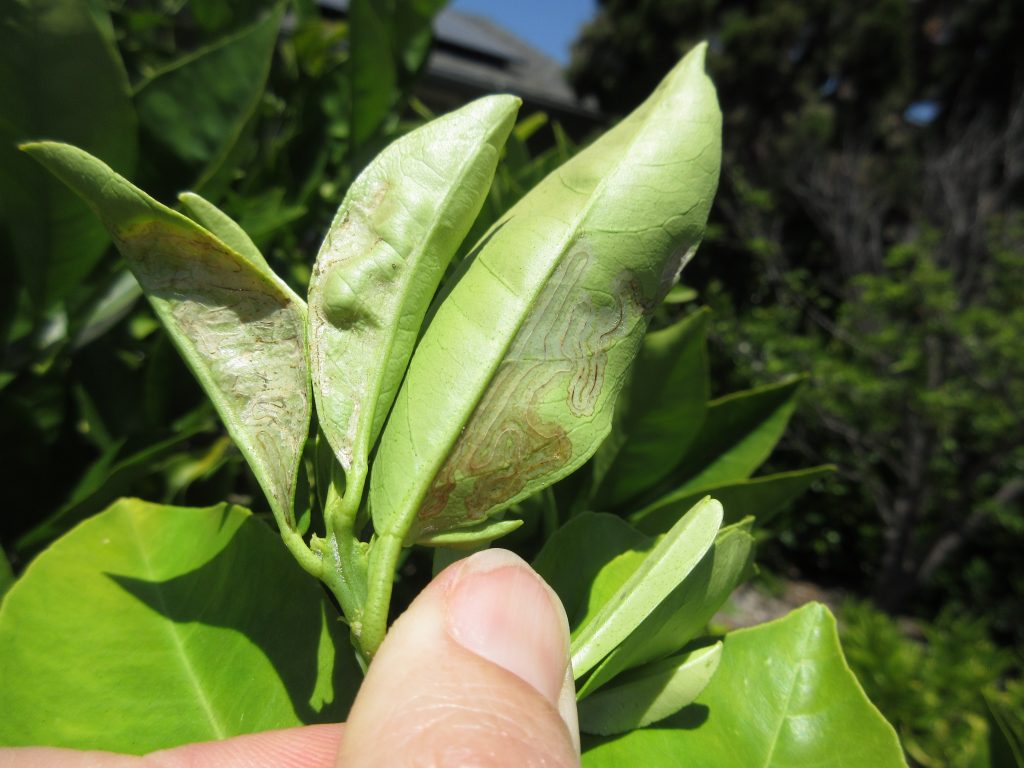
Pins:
x: 475, y: 672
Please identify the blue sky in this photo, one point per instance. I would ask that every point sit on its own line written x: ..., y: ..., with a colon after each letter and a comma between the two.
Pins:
x: 549, y: 25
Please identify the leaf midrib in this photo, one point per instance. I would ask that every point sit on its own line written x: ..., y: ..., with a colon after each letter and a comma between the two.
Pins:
x: 802, y: 646
x: 174, y: 635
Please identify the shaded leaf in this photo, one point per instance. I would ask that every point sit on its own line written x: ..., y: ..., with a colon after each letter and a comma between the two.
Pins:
x: 390, y: 40
x: 380, y: 264
x: 110, y: 476
x: 1006, y: 732
x: 513, y: 384
x: 240, y: 328
x: 6, y: 575
x: 192, y: 112
x: 761, y: 498
x: 175, y: 625
x: 783, y: 695
x: 737, y: 435
x: 61, y: 77
x: 661, y: 571
x: 660, y: 411
x: 650, y: 693
x: 576, y: 553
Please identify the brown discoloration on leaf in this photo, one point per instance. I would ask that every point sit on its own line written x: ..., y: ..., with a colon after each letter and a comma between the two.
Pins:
x: 251, y: 340
x: 511, y: 444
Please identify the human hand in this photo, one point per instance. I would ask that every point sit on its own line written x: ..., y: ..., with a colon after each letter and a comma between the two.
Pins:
x: 475, y: 672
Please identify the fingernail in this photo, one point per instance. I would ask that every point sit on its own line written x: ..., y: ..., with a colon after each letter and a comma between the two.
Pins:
x: 499, y: 609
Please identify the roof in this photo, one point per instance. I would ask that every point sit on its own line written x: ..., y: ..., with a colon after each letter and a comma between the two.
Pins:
x: 473, y: 56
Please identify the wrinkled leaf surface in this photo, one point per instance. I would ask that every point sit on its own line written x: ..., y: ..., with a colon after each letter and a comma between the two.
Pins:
x: 382, y: 259
x: 239, y: 328
x: 513, y: 384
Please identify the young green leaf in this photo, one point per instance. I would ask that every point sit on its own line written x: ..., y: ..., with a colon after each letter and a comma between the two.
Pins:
x: 578, y: 557
x: 783, y: 695
x: 238, y: 326
x: 649, y: 694
x: 148, y: 627
x: 513, y: 384
x: 761, y: 498
x: 380, y: 264
x: 683, y: 614
x: 207, y: 215
x: 661, y: 571
x: 660, y: 410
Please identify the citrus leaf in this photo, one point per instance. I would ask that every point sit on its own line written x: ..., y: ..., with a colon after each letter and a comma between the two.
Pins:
x: 192, y: 112
x: 239, y: 327
x: 737, y: 435
x: 650, y: 693
x: 206, y: 214
x: 685, y: 612
x: 148, y: 626
x: 61, y: 76
x: 660, y: 411
x: 661, y: 571
x: 400, y: 224
x: 783, y: 696
x: 761, y: 498
x: 513, y: 384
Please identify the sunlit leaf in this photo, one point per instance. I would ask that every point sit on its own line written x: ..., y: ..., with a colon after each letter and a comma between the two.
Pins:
x: 513, y: 384
x: 662, y: 570
x: 761, y: 498
x: 380, y: 264
x: 148, y: 627
x: 783, y: 696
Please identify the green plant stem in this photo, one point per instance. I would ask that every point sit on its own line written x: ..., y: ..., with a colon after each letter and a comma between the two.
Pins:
x: 310, y: 561
x: 344, y: 552
x: 384, y: 554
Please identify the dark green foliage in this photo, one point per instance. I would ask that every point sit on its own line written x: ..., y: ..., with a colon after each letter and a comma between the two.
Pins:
x: 868, y: 231
x: 936, y: 685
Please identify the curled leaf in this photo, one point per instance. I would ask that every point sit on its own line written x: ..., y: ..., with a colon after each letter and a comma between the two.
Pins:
x: 513, y: 384
x: 380, y: 264
x: 239, y: 327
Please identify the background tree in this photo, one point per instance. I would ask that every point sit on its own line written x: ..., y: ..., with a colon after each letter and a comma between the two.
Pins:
x: 869, y: 231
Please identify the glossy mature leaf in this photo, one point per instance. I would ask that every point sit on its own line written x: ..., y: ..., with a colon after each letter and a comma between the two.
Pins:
x: 389, y: 42
x: 782, y: 696
x: 684, y: 614
x: 149, y: 626
x: 513, y: 384
x: 224, y: 228
x: 573, y: 557
x: 737, y: 435
x: 381, y: 261
x: 661, y: 409
x: 761, y: 498
x: 661, y: 571
x: 650, y: 693
x: 192, y: 112
x: 61, y: 77
x: 239, y: 328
